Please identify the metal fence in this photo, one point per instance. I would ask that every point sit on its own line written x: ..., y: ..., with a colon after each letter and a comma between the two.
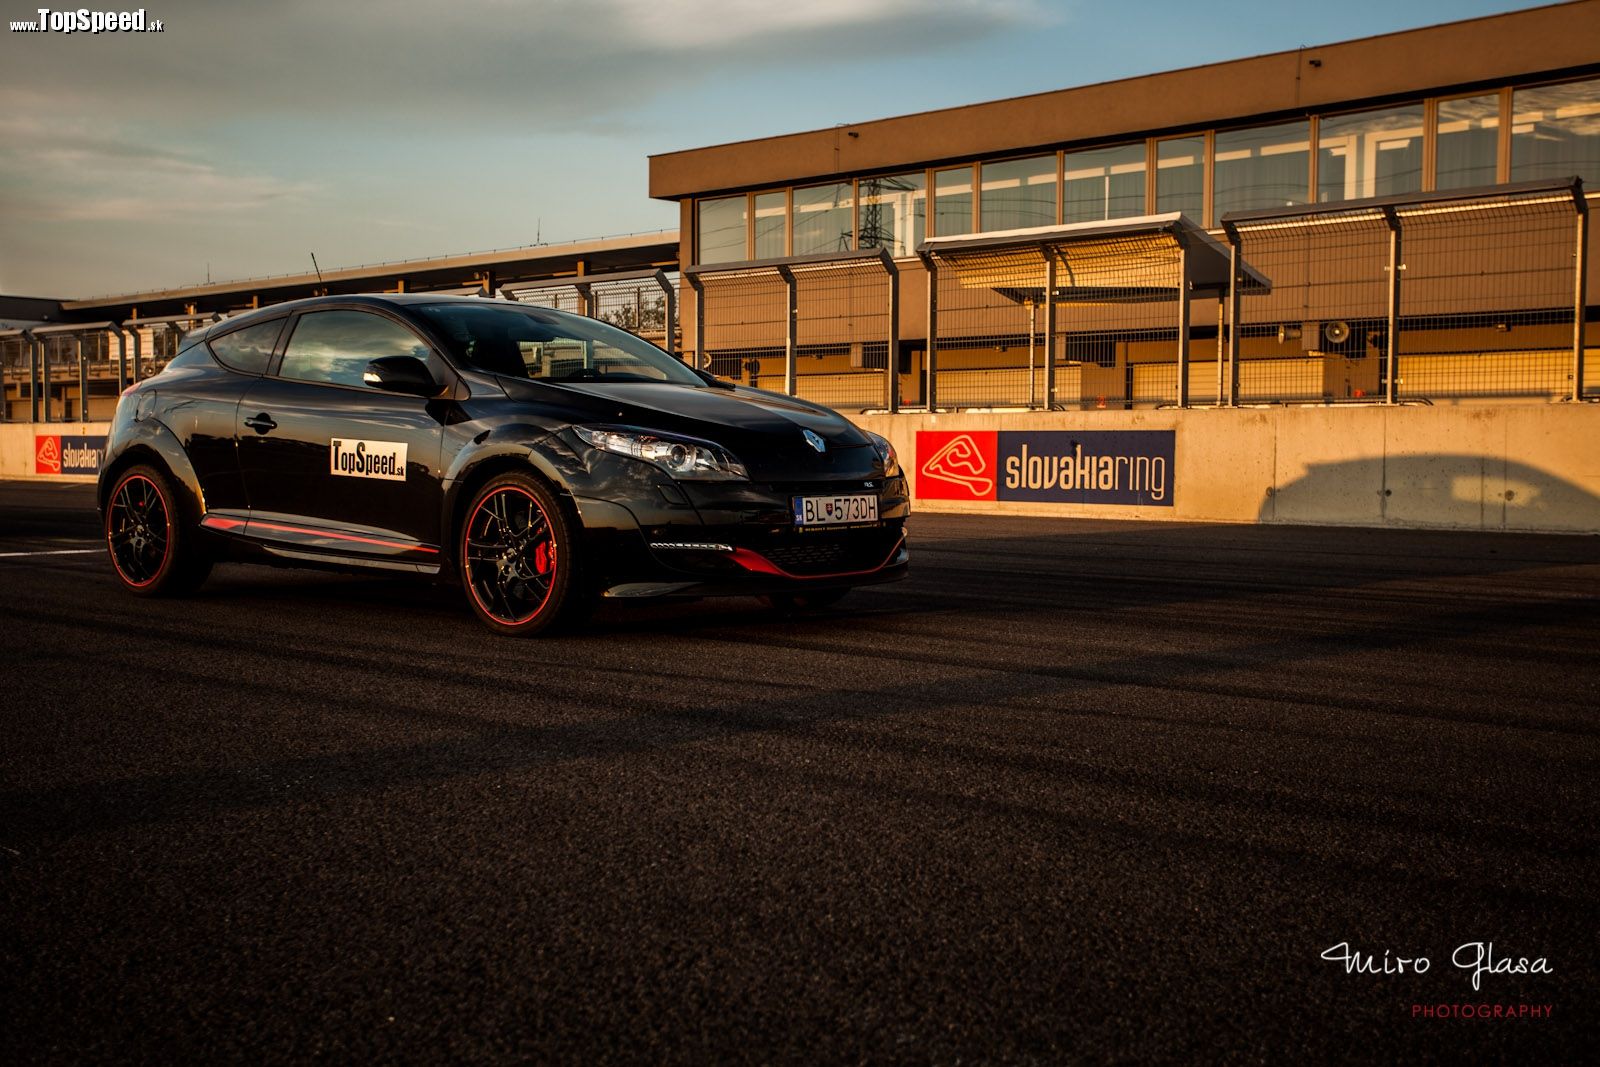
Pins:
x: 1471, y: 295
x: 1064, y: 324
x: 74, y: 372
x: 824, y: 327
x: 641, y: 302
x: 1456, y: 297
x: 1450, y: 298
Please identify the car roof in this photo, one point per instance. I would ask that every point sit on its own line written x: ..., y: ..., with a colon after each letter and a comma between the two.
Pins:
x: 272, y: 311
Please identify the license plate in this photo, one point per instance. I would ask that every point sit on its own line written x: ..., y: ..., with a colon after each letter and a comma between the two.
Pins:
x: 843, y: 510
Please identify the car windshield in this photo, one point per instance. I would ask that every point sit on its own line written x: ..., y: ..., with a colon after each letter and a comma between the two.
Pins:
x: 549, y: 346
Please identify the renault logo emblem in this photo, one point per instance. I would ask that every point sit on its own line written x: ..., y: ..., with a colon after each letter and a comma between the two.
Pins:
x: 814, y: 441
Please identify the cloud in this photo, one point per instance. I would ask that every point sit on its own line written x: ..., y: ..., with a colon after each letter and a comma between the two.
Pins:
x: 540, y: 63
x: 85, y: 171
x: 249, y: 125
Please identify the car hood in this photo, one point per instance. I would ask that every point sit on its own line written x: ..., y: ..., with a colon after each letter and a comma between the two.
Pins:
x: 764, y: 430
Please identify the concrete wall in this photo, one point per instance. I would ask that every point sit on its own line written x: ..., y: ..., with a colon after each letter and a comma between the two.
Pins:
x: 19, y: 440
x: 1529, y: 467
x: 1512, y: 467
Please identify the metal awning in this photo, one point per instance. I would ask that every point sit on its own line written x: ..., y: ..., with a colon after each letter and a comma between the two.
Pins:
x: 1132, y: 260
x: 73, y: 327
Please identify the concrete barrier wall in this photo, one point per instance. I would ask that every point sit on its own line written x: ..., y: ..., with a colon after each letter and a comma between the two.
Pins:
x: 19, y: 446
x: 1528, y: 467
x: 1513, y: 467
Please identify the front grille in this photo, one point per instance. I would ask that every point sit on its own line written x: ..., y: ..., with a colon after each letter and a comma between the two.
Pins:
x: 830, y: 553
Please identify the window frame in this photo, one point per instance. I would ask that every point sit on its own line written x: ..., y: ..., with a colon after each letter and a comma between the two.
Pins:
x: 272, y: 356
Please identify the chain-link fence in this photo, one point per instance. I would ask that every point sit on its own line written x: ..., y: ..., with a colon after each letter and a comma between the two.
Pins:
x: 1318, y: 336
x: 80, y: 372
x: 1474, y: 295
x: 16, y: 376
x: 824, y: 328
x: 1486, y: 302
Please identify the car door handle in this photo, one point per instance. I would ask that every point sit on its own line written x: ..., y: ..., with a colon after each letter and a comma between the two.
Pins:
x: 261, y: 423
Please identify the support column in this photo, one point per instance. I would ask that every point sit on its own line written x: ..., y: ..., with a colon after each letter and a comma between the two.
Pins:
x: 1049, y: 330
x: 138, y: 354
x: 35, y: 356
x: 1234, y: 268
x: 1222, y: 352
x: 698, y: 357
x: 83, y: 381
x: 1580, y: 285
x: 791, y: 321
x: 931, y: 362
x: 892, y: 362
x: 122, y: 359
x: 1392, y: 378
x: 671, y: 295
x: 1183, y: 327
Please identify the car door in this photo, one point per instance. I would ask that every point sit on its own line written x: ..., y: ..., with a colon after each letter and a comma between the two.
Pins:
x: 332, y: 464
x: 208, y: 418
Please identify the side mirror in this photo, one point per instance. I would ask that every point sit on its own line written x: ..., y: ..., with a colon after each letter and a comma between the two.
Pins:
x: 400, y: 374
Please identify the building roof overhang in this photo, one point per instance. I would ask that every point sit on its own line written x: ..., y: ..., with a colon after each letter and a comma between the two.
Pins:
x: 1132, y: 260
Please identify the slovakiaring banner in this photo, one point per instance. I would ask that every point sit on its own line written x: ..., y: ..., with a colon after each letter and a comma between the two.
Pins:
x: 1126, y: 467
x: 55, y: 453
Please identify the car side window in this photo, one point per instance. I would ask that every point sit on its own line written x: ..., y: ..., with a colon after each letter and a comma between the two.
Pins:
x: 250, y: 349
x: 335, y: 346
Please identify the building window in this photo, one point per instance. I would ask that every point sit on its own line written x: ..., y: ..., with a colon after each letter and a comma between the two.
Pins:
x: 721, y: 229
x: 822, y: 218
x: 1105, y: 183
x: 952, y: 201
x: 1019, y: 193
x: 1372, y: 153
x: 894, y: 213
x: 1555, y: 132
x: 1467, y: 142
x: 1180, y: 176
x: 772, y: 225
x: 1261, y: 167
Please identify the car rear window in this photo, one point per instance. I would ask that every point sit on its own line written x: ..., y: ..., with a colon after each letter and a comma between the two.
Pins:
x: 248, y: 350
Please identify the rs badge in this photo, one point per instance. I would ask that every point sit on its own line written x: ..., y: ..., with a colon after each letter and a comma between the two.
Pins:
x: 367, y: 459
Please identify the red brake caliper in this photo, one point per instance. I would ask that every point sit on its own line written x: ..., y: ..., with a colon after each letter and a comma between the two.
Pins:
x: 541, y: 558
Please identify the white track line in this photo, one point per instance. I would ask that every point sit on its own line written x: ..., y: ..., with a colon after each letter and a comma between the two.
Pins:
x: 51, y: 552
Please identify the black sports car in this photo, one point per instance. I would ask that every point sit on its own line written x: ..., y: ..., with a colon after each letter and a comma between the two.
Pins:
x: 541, y: 458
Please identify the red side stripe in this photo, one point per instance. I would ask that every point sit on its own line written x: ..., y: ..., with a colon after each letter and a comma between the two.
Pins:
x: 218, y: 522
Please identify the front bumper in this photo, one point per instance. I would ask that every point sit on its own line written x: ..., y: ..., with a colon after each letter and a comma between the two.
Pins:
x: 741, y: 540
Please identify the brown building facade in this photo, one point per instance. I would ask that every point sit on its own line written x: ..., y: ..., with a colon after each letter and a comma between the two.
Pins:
x: 1324, y: 135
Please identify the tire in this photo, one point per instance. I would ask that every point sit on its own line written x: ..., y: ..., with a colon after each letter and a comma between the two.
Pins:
x: 800, y: 603
x: 154, y: 549
x: 519, y: 560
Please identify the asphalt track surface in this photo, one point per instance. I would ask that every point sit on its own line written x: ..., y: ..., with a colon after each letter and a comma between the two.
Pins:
x: 1075, y: 792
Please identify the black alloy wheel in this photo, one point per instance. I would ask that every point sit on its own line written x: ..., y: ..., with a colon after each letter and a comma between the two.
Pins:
x: 151, y: 549
x: 517, y: 556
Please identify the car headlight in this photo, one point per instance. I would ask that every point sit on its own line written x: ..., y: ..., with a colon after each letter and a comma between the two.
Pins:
x: 886, y: 452
x: 682, y: 457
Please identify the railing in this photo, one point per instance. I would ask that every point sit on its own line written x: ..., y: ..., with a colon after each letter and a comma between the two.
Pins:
x: 822, y: 327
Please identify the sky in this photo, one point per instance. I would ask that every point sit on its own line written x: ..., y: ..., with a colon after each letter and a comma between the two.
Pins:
x: 246, y: 136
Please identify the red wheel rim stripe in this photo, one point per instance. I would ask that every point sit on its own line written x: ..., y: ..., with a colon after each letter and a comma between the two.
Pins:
x: 466, y: 538
x: 166, y: 511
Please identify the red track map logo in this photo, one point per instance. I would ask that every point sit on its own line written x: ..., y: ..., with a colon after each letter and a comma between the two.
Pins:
x: 47, y: 454
x: 956, y: 465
